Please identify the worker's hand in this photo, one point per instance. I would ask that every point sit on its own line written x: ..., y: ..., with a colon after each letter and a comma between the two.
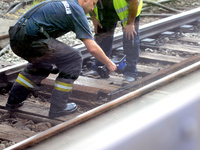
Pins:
x: 112, y: 66
x: 96, y: 24
x: 99, y: 54
x: 129, y: 30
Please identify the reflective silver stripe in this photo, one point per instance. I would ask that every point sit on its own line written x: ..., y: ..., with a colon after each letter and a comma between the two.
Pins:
x: 122, y: 9
x: 63, y: 87
x: 124, y: 20
x: 25, y: 82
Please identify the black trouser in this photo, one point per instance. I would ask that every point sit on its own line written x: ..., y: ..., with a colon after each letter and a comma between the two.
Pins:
x: 41, y: 54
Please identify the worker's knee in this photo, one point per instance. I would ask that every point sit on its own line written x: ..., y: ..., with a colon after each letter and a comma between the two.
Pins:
x: 39, y: 69
x: 68, y: 76
x: 71, y: 69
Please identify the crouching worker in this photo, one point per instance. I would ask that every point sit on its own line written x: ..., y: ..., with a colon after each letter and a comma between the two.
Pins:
x: 33, y: 38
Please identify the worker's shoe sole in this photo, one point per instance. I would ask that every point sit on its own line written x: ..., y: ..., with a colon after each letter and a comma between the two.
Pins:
x: 13, y: 107
x: 128, y: 80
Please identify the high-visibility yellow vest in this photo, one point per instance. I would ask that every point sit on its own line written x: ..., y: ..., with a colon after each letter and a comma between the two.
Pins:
x: 121, y: 7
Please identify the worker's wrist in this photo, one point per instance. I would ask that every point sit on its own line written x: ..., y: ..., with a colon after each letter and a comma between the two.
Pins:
x: 130, y: 23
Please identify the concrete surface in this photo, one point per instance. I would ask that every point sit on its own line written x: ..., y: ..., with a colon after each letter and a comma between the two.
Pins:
x: 4, y: 26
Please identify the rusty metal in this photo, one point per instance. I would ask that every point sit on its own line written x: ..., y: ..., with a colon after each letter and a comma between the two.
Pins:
x: 9, y: 74
x: 4, y: 36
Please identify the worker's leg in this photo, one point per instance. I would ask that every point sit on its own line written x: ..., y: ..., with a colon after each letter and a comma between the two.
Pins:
x: 69, y: 63
x: 27, y: 81
x: 131, y: 50
x: 35, y: 51
x: 105, y: 41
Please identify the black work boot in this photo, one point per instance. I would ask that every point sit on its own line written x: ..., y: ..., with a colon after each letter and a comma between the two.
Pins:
x: 70, y: 108
x: 17, y: 95
x: 12, y: 104
x: 13, y: 107
x: 60, y: 97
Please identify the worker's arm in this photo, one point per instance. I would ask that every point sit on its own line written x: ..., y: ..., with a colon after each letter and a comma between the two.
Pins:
x: 95, y: 21
x: 99, y: 54
x: 133, y: 9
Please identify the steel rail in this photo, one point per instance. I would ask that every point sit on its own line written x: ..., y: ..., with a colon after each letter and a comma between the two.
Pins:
x: 4, y: 36
x: 103, y: 108
x: 32, y: 117
x: 162, y: 25
x: 169, y: 23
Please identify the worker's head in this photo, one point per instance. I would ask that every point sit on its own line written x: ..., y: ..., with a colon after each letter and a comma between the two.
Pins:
x: 88, y: 5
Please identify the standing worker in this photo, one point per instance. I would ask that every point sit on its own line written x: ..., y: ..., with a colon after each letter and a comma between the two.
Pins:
x: 33, y: 38
x: 105, y: 17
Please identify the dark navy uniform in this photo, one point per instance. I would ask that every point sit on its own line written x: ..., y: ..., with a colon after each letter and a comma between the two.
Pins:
x: 41, y: 49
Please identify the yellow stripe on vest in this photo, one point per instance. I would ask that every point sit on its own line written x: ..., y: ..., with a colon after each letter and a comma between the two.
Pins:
x: 122, y: 9
x: 61, y: 86
x: 24, y: 81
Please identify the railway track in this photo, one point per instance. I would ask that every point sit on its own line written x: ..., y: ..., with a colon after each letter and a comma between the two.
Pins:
x: 166, y: 118
x: 167, y: 46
